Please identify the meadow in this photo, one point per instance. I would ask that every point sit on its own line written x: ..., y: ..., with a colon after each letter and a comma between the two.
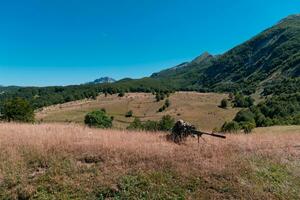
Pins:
x: 201, y: 109
x: 70, y: 161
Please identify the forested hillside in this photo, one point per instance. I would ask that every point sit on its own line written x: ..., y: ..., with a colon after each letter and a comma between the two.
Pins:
x: 268, y: 57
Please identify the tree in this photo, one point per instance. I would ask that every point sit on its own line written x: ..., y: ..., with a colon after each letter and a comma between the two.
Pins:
x: 18, y: 110
x: 98, y: 119
x: 224, y: 103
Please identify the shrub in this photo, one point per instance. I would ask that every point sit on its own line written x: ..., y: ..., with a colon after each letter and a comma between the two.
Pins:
x: 167, y: 103
x: 157, y: 97
x: 151, y: 126
x: 160, y: 96
x: 135, y: 125
x: 121, y: 94
x: 18, y: 110
x: 166, y: 123
x: 230, y: 127
x: 245, y: 116
x: 129, y: 113
x: 224, y: 103
x: 98, y: 119
x: 247, y: 127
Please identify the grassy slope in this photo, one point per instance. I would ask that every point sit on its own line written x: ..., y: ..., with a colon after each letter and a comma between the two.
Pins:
x: 58, y: 161
x: 198, y: 108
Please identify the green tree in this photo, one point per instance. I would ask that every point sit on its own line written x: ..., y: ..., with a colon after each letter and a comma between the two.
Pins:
x: 98, y: 119
x: 18, y: 110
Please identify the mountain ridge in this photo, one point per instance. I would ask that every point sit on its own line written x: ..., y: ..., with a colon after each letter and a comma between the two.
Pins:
x: 272, y: 54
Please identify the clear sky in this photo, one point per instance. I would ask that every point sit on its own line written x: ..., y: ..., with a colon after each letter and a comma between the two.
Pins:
x: 61, y: 42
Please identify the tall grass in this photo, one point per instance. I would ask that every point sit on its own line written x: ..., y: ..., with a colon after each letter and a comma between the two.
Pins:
x: 30, y: 152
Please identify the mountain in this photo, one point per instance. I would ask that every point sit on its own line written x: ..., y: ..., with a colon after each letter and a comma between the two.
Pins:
x: 269, y: 57
x: 103, y: 80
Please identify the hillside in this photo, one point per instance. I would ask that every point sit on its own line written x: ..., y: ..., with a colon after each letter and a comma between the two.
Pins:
x: 198, y: 108
x: 73, y: 162
x: 270, y: 56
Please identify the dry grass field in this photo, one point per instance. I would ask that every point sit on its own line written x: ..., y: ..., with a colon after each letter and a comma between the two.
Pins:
x: 200, y: 109
x: 69, y: 161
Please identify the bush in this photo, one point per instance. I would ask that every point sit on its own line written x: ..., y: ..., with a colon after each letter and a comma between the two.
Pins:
x: 135, y: 125
x: 166, y: 123
x: 245, y: 116
x: 151, y: 126
x: 247, y: 127
x: 18, y: 110
x: 160, y: 96
x: 165, y: 106
x: 121, y: 94
x: 224, y: 103
x: 167, y: 103
x: 129, y: 113
x: 98, y: 119
x: 230, y: 127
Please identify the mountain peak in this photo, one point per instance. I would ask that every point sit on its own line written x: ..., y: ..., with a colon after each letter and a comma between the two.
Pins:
x: 105, y: 79
x: 202, y: 58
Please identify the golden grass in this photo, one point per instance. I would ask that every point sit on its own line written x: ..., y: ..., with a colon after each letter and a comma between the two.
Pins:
x: 147, y: 149
x: 66, y: 156
x: 200, y: 109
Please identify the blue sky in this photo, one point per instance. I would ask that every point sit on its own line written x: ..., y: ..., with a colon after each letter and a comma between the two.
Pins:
x: 61, y: 42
